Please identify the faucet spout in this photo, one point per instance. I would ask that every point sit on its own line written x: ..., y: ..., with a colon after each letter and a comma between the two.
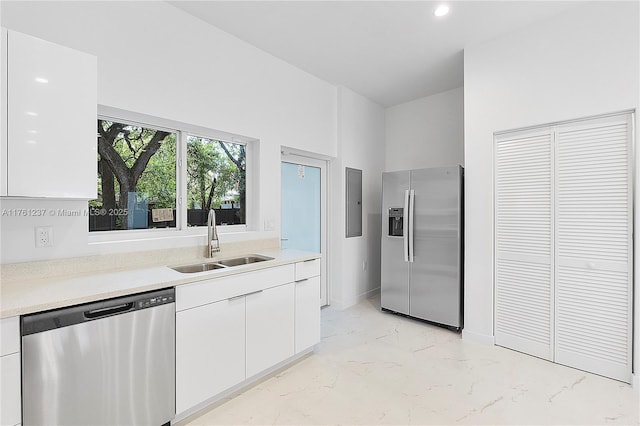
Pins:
x: 213, y: 244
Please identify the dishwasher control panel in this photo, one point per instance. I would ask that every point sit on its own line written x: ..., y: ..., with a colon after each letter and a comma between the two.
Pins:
x: 154, y: 301
x: 65, y: 317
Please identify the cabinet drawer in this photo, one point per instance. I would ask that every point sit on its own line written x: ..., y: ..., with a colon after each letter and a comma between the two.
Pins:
x: 307, y: 269
x: 216, y: 289
x: 10, y: 335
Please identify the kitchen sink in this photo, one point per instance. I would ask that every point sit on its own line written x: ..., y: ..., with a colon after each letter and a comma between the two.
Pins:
x: 220, y: 264
x: 198, y: 267
x: 245, y: 260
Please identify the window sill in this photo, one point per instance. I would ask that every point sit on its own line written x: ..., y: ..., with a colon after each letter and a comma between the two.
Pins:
x: 107, y: 237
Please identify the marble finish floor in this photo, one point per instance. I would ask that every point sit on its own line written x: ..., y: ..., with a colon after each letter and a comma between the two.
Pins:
x: 376, y: 368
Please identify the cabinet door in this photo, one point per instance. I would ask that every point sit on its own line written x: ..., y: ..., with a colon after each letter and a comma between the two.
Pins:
x: 307, y: 313
x: 270, y: 329
x: 52, y: 113
x: 10, y: 388
x: 210, y: 351
x: 9, y: 335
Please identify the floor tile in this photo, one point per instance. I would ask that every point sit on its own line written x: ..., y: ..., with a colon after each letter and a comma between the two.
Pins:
x: 376, y: 368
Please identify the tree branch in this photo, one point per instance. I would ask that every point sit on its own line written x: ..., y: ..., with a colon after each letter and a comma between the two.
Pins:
x: 108, y: 152
x: 237, y: 162
x: 147, y: 152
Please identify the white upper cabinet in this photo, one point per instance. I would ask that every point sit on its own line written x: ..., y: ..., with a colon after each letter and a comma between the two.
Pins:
x: 49, y: 148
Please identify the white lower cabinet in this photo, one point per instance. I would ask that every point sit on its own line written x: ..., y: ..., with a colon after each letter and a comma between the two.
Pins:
x: 10, y: 397
x: 232, y: 328
x: 270, y: 329
x: 210, y: 348
x: 307, y: 315
x: 10, y: 388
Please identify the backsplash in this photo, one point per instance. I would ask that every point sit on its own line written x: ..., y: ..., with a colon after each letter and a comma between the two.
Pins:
x: 120, y: 261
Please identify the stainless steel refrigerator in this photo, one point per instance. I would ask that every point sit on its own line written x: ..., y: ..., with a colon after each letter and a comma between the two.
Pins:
x: 422, y: 236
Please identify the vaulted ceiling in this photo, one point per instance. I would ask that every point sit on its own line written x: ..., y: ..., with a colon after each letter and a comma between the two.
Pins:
x: 389, y: 51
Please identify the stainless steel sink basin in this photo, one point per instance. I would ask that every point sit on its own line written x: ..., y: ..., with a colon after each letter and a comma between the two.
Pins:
x: 245, y: 260
x: 226, y: 263
x: 198, y: 267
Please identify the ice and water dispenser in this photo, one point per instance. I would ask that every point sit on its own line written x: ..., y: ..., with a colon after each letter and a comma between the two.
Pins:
x: 395, y: 221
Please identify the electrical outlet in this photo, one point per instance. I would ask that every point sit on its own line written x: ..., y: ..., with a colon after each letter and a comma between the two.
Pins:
x: 44, y: 236
x: 269, y: 225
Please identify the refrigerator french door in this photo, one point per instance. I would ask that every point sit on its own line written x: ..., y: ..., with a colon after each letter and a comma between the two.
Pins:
x: 422, y: 217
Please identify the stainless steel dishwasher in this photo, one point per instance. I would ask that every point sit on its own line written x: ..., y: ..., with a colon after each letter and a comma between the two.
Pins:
x: 105, y: 363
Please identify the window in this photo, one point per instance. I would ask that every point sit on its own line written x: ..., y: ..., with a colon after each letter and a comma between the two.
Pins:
x: 153, y: 177
x: 136, y: 178
x: 216, y: 179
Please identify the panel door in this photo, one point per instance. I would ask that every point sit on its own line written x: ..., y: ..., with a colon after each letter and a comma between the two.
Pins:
x: 524, y: 242
x: 395, y: 270
x: 353, y: 223
x: 304, y: 210
x: 435, y: 288
x: 594, y: 246
x: 270, y: 327
x: 210, y: 351
x: 301, y: 187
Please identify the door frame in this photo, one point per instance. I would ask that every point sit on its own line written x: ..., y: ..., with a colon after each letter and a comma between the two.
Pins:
x: 312, y: 160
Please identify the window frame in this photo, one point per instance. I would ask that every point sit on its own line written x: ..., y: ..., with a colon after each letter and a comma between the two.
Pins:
x: 182, y: 131
x: 232, y: 228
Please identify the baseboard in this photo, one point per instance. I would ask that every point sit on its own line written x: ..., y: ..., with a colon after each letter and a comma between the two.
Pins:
x: 346, y: 304
x: 483, y: 339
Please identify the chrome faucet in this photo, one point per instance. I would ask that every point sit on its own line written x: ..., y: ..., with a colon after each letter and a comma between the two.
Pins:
x: 213, y: 244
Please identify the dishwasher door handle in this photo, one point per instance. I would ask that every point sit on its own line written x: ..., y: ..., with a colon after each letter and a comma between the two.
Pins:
x: 103, y: 312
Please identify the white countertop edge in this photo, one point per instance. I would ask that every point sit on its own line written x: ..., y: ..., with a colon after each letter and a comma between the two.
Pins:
x: 30, y: 296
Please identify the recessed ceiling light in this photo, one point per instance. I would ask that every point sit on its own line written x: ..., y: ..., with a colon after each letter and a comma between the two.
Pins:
x: 41, y: 80
x: 441, y: 10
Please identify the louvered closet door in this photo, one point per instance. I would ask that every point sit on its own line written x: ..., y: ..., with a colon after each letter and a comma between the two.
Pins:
x: 524, y: 242
x: 593, y: 283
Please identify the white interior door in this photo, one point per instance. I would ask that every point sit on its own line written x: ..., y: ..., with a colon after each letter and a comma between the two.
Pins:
x: 304, y: 204
x: 594, y: 253
x: 523, y: 243
x: 564, y: 243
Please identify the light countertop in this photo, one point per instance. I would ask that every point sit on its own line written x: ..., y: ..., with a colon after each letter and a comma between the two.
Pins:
x: 20, y: 297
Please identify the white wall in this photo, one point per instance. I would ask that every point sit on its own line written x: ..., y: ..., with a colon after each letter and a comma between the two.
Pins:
x: 426, y: 132
x: 580, y: 63
x: 157, y: 60
x: 360, y: 146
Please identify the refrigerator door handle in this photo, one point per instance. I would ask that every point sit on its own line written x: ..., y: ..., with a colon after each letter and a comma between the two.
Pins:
x: 412, y: 199
x: 405, y: 226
